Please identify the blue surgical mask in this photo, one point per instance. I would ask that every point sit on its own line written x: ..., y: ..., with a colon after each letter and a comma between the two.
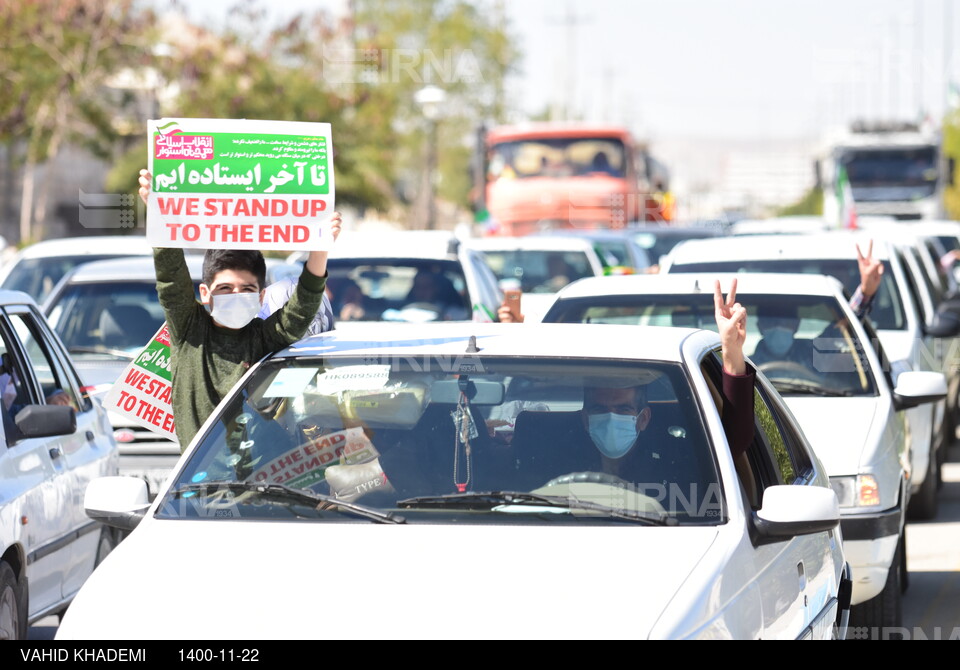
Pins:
x: 614, y: 434
x: 779, y: 340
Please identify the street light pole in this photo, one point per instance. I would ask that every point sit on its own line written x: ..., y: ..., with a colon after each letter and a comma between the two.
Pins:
x: 430, y: 98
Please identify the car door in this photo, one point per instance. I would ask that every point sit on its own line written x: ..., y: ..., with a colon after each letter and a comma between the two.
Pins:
x: 89, y: 452
x: 795, y: 578
x: 34, y: 482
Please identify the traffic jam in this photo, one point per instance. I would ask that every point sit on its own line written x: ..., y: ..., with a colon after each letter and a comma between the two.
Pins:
x: 210, y: 420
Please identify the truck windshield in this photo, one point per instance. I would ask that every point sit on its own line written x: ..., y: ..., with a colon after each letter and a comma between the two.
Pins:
x: 892, y: 167
x: 558, y: 157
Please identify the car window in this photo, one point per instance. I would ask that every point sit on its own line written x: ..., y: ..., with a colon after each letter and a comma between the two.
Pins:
x: 887, y: 312
x: 912, y: 287
x: 411, y: 427
x: 539, y: 271
x: 38, y: 276
x: 804, y: 344
x: 103, y: 316
x: 400, y: 290
x: 15, y: 390
x: 54, y: 378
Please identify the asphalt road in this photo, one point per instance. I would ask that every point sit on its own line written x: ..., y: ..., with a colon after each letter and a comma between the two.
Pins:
x: 930, y: 608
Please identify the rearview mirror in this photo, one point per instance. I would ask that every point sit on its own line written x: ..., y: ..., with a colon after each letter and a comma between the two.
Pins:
x: 477, y: 391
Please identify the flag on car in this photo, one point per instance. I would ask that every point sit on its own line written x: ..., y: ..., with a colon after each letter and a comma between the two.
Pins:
x: 848, y: 210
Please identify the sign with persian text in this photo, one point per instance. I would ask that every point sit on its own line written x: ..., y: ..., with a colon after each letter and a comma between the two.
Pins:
x: 239, y: 184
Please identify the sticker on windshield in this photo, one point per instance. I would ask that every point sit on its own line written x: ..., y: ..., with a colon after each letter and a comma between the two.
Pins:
x: 353, y: 378
x: 305, y: 465
x: 290, y: 382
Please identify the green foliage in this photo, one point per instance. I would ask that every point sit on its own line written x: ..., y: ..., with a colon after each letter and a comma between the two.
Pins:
x: 951, y: 149
x: 811, y: 204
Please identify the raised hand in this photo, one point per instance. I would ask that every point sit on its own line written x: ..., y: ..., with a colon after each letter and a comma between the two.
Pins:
x: 871, y: 271
x: 146, y: 181
x: 731, y: 319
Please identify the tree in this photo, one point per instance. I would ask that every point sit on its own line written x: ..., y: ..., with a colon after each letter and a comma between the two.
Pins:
x: 58, y: 55
x: 464, y: 48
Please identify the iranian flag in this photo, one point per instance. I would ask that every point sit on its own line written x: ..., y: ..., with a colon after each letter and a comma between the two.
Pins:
x: 848, y: 210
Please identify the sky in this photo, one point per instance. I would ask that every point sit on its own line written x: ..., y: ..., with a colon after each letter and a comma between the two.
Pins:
x: 735, y: 96
x: 721, y: 69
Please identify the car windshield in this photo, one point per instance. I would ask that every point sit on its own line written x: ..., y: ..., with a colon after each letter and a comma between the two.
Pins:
x: 103, y: 317
x: 558, y: 157
x: 37, y: 276
x: 916, y: 167
x: 455, y: 440
x: 886, y: 313
x: 366, y: 289
x: 804, y: 344
x: 539, y: 271
x: 659, y: 243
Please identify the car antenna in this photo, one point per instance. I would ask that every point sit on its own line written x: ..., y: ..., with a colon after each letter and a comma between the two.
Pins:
x: 472, y: 345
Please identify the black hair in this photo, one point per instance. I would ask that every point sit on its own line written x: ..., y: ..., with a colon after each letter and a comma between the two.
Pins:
x: 218, y: 260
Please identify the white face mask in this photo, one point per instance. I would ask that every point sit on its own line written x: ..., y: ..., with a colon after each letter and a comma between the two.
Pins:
x: 235, y: 310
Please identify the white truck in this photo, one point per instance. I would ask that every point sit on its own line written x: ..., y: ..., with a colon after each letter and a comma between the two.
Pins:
x: 894, y: 170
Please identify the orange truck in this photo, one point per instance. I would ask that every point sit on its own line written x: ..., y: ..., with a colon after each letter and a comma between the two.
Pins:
x: 549, y: 176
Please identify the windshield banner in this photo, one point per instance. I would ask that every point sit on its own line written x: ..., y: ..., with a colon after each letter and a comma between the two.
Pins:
x: 142, y: 394
x: 237, y: 184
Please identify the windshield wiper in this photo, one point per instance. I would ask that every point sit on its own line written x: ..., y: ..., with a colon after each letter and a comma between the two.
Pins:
x: 810, y: 389
x: 116, y: 353
x: 319, y: 501
x: 488, y: 500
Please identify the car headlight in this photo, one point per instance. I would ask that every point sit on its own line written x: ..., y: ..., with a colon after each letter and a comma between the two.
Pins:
x: 858, y: 491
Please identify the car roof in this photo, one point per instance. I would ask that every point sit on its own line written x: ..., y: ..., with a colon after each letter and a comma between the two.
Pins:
x: 840, y: 244
x: 128, y: 269
x: 549, y: 340
x: 784, y: 224
x: 622, y: 234
x: 129, y: 245
x: 417, y: 244
x: 529, y: 242
x: 691, y: 283
x: 8, y: 297
x: 546, y: 129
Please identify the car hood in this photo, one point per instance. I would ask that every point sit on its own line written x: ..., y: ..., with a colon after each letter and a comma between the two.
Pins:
x: 307, y: 580
x: 837, y: 429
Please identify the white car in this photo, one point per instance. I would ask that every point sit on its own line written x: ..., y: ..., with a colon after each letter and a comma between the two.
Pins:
x: 541, y: 264
x: 401, y: 471
x: 844, y: 401
x: 411, y: 276
x: 37, y: 268
x: 909, y: 338
x: 49, y: 452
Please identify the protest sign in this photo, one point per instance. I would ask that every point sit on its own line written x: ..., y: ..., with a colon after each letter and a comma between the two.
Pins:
x: 239, y: 184
x: 304, y: 465
x: 142, y: 393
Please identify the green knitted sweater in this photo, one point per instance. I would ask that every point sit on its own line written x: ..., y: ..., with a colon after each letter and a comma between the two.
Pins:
x: 206, y: 359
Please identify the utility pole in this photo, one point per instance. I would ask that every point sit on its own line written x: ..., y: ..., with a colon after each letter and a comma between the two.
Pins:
x: 571, y: 22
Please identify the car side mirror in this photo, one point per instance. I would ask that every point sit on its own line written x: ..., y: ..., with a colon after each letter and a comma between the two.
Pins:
x: 119, y: 502
x: 917, y: 387
x: 46, y: 420
x: 946, y: 322
x: 789, y: 510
